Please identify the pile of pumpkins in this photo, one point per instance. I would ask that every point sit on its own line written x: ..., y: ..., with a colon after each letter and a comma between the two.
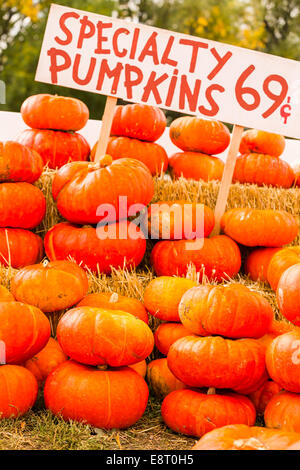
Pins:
x: 224, y: 357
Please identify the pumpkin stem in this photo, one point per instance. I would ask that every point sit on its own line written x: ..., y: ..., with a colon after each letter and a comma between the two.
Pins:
x: 102, y: 367
x: 114, y: 298
x: 104, y: 161
x: 211, y: 391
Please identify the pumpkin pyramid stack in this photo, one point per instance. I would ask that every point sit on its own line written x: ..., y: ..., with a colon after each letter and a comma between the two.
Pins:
x: 96, y: 385
x: 22, y: 205
x: 259, y: 162
x: 199, y: 139
x: 222, y: 352
x: 53, y: 120
x: 135, y: 128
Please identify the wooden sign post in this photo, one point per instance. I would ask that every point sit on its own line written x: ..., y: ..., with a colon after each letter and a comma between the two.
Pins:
x: 227, y: 177
x: 182, y: 73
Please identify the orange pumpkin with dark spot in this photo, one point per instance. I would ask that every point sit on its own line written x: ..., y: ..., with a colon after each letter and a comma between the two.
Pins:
x: 257, y: 141
x: 19, y: 163
x: 161, y: 380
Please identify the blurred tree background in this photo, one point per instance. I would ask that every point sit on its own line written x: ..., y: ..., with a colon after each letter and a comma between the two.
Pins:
x: 267, y: 25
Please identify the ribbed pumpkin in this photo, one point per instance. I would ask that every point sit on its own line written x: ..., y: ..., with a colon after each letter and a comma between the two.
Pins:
x: 22, y: 205
x: 282, y: 412
x: 56, y: 148
x: 218, y: 258
x: 152, y: 155
x: 261, y: 397
x: 115, y: 398
x: 196, y: 166
x: 166, y: 334
x: 18, y: 391
x: 114, y: 301
x: 20, y: 247
x: 80, y: 188
x: 257, y: 263
x: 257, y: 141
x: 279, y: 327
x: 179, y: 220
x: 50, y: 286
x: 238, y: 364
x: 243, y: 437
x: 263, y: 169
x: 280, y: 262
x: 82, y: 244
x: 283, y: 360
x: 232, y: 310
x: 260, y: 227
x: 45, y: 111
x: 24, y: 329
x: 140, y: 367
x: 161, y: 380
x: 139, y: 121
x: 194, y: 414
x: 162, y: 296
x: 97, y: 336
x: 19, y: 163
x: 194, y: 134
x: 288, y: 294
x: 46, y: 360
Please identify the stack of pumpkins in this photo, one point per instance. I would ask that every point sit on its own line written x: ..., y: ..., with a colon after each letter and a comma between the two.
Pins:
x: 260, y: 163
x: 104, y: 192
x: 199, y: 139
x: 53, y: 120
x: 22, y: 205
x: 135, y: 128
x: 222, y: 351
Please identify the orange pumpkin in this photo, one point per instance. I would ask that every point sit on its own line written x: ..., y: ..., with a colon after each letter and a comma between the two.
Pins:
x: 85, y: 247
x: 50, y: 287
x: 5, y: 295
x: 261, y: 397
x: 194, y: 134
x: 260, y: 227
x: 152, y: 155
x: 179, y: 220
x: 262, y: 170
x: 19, y: 163
x: 96, y: 336
x: 114, y: 301
x: 257, y: 262
x: 19, y: 248
x: 166, y: 334
x: 279, y: 327
x: 115, y: 398
x: 45, y: 111
x: 56, y: 148
x: 282, y: 412
x: 232, y: 310
x: 288, y: 294
x: 139, y: 121
x: 194, y: 414
x: 18, y: 391
x: 22, y: 205
x: 280, y: 262
x: 257, y: 141
x: 140, y: 367
x: 196, y: 166
x: 217, y: 257
x: 24, y: 330
x: 238, y: 364
x: 81, y: 188
x: 282, y: 360
x: 243, y: 437
x: 46, y: 360
x: 161, y: 380
x: 162, y: 296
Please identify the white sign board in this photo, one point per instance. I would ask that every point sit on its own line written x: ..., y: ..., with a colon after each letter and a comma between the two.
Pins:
x: 174, y: 71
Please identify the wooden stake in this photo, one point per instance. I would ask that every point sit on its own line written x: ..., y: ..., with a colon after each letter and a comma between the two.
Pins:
x: 107, y: 118
x: 227, y: 176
